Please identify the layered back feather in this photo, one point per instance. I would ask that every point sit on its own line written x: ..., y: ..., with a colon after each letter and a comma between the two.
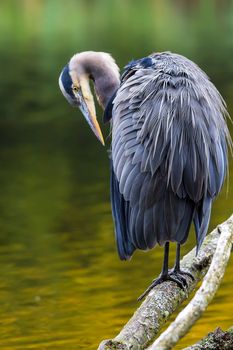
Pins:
x: 169, y: 152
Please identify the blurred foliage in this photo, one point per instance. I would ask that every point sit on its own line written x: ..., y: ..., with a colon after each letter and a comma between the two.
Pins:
x: 37, y: 37
x: 62, y: 285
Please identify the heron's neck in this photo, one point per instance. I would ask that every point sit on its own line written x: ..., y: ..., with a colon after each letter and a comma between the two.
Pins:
x: 106, y: 83
x: 102, y: 69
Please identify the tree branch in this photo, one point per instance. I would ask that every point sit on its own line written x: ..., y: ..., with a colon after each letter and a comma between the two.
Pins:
x: 164, y: 299
x: 215, y: 340
x: 193, y: 311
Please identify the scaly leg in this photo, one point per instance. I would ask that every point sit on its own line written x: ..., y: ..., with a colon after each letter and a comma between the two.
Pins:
x: 180, y: 275
x: 164, y: 276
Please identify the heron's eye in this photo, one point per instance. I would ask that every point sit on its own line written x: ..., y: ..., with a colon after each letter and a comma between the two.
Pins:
x: 75, y: 88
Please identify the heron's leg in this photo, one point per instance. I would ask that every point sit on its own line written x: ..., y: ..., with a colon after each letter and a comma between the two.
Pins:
x: 177, y: 263
x: 177, y: 271
x: 164, y: 276
x: 165, y: 260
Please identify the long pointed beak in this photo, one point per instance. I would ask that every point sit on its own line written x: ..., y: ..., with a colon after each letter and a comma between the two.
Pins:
x: 87, y: 107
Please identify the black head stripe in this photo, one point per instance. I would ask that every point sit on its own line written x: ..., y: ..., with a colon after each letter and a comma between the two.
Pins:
x: 66, y: 81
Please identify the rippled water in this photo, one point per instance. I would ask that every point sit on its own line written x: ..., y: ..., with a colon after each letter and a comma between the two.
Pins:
x: 62, y: 285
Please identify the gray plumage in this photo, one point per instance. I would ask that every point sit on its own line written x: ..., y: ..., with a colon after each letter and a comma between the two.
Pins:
x: 169, y: 152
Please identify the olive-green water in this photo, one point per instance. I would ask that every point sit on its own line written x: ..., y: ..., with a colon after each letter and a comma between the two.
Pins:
x: 62, y: 285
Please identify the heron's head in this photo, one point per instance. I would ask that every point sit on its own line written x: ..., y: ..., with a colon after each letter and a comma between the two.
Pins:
x: 74, y: 84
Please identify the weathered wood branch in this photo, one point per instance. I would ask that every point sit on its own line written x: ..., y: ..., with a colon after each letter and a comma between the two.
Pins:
x: 164, y: 299
x: 215, y: 340
x: 193, y: 311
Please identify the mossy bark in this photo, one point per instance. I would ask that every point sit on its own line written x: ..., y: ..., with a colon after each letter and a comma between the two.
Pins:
x: 217, y: 340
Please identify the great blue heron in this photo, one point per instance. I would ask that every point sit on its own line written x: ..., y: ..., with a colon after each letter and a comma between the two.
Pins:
x: 169, y: 146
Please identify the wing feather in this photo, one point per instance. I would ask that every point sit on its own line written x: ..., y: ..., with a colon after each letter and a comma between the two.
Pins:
x: 169, y: 152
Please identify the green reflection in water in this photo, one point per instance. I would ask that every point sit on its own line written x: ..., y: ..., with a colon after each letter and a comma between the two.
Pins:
x: 62, y: 284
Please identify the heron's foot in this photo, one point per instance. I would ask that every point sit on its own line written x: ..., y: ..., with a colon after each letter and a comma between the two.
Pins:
x: 181, y: 276
x: 175, y: 275
x: 183, y: 273
x: 162, y: 278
